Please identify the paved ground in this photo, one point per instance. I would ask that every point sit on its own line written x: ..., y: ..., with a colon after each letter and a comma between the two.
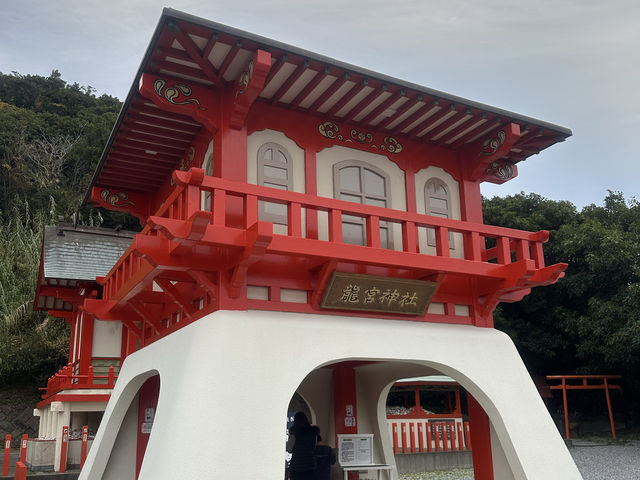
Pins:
x: 595, y: 460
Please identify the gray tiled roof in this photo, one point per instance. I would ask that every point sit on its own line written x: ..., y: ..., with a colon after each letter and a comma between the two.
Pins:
x: 82, y: 253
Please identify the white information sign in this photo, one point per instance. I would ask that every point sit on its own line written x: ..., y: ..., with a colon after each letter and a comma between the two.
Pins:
x: 355, y: 449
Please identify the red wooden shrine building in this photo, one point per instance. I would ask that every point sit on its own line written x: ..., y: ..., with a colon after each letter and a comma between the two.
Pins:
x: 307, y: 225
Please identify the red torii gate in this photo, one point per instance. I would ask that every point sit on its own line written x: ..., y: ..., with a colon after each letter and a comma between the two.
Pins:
x: 585, y: 385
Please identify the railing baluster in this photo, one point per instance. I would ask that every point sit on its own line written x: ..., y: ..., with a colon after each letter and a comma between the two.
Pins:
x: 179, y: 208
x: 335, y: 225
x: 250, y: 210
x: 409, y: 237
x: 522, y: 250
x: 219, y: 207
x: 373, y: 231
x: 538, y: 254
x: 294, y: 219
x: 442, y: 241
x: 504, y: 250
x: 473, y: 246
x: 192, y: 200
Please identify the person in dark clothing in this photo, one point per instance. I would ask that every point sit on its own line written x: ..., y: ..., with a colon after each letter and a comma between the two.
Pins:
x: 325, y: 457
x: 303, y: 437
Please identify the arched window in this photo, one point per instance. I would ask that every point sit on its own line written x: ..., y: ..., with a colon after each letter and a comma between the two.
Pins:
x: 437, y: 201
x: 275, y: 170
x: 360, y: 182
x: 205, y: 198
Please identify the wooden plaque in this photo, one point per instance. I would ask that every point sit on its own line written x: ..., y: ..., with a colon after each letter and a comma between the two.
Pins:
x: 351, y: 291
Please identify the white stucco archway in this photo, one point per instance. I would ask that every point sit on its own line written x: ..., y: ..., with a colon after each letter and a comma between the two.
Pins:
x: 204, y: 365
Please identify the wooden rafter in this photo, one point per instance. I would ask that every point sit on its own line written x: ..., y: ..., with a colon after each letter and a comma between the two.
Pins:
x: 304, y: 93
x: 365, y: 102
x: 275, y: 68
x: 414, y: 117
x: 347, y: 97
x: 467, y: 124
x: 448, y: 123
x: 328, y: 93
x: 293, y: 78
x: 196, y: 55
x: 380, y: 109
x: 476, y: 132
x: 192, y: 73
x: 178, y: 298
x: 404, y: 108
x: 229, y: 58
x: 433, y: 120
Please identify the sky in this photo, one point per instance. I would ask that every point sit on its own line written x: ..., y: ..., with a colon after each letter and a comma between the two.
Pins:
x: 573, y: 63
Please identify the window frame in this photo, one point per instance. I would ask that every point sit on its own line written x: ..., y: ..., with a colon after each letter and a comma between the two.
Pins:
x: 280, y: 219
x: 337, y: 191
x: 437, y: 211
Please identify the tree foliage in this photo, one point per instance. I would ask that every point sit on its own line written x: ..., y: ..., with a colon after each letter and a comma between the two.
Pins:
x: 589, y: 322
x: 51, y: 137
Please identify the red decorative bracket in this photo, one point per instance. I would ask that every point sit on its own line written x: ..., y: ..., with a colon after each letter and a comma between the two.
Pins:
x: 250, y: 83
x: 258, y: 238
x: 489, y: 150
x: 135, y: 204
x: 181, y: 97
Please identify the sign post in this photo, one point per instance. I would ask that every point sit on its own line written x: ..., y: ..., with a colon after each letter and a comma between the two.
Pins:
x: 63, y: 450
x: 7, y: 453
x: 85, y: 443
x: 23, y: 448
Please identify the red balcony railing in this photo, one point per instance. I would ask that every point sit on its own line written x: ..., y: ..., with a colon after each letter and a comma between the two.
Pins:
x: 65, y: 379
x: 508, y: 261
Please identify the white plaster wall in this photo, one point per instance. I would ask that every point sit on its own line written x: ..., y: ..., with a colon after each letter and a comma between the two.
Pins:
x: 122, y: 460
x: 107, y: 339
x: 317, y: 391
x: 271, y: 353
x: 421, y: 178
x: 254, y: 142
x: 327, y: 158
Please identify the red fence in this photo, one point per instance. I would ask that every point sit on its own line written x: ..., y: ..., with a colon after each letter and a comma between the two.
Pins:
x: 64, y: 379
x: 420, y: 436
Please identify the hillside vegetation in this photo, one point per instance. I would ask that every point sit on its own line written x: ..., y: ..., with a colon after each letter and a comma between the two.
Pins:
x: 52, y: 134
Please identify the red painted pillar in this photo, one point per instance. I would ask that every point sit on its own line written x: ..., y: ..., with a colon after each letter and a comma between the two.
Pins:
x: 445, y: 437
x: 481, y: 438
x: 395, y: 438
x: 85, y: 444
x: 63, y: 450
x: 147, y: 403
x: 344, y: 400
x: 72, y: 339
x: 452, y: 435
x: 23, y: 447
x: 403, y: 429
x: 311, y: 188
x: 86, y: 345
x: 412, y: 437
x: 566, y: 411
x: 7, y: 453
x: 606, y: 392
x: 460, y: 436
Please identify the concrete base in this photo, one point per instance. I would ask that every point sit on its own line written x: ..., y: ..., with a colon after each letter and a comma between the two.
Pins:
x: 428, y: 462
x: 206, y: 426
x: 40, y: 455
